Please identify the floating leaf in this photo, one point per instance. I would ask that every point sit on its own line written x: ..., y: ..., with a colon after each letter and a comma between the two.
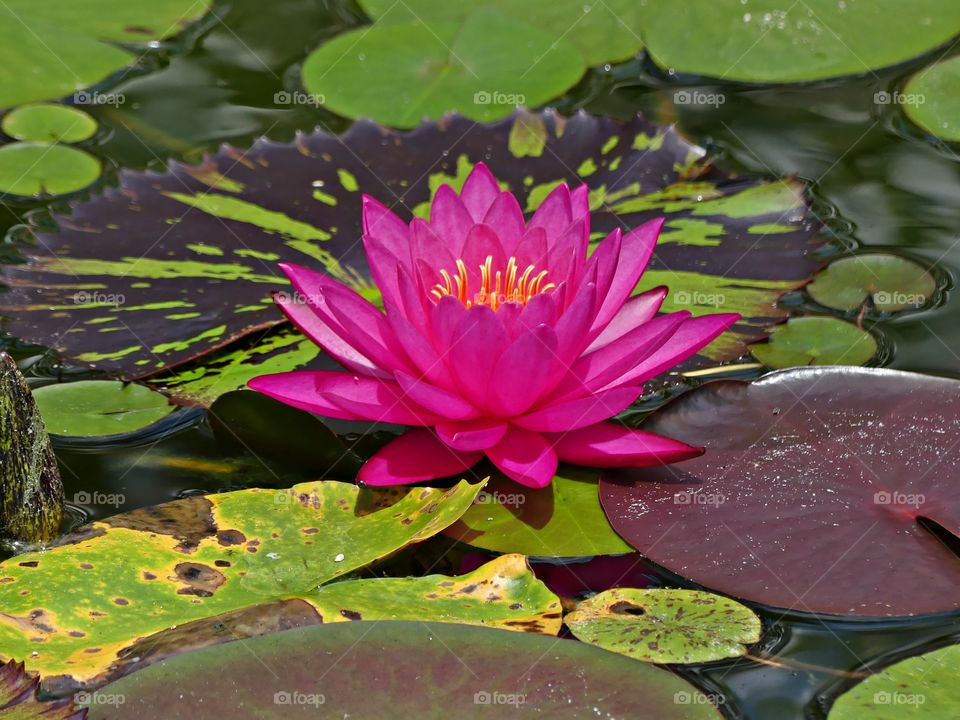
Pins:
x: 824, y: 490
x: 368, y: 671
x: 30, y: 169
x: 482, y: 65
x: 815, y: 341
x: 31, y: 492
x: 932, y: 99
x: 891, y: 282
x: 88, y: 408
x: 603, y: 31
x: 663, y: 625
x: 53, y: 48
x: 45, y: 122
x: 141, y: 572
x: 779, y: 41
x: 922, y: 687
x: 564, y: 519
x: 193, y: 253
x: 19, y: 701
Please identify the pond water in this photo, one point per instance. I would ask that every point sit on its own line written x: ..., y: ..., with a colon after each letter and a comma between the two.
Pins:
x: 878, y: 183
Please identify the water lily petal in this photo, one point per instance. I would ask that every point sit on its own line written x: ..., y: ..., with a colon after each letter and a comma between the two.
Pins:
x: 420, y: 351
x: 472, y: 435
x: 450, y: 218
x: 415, y: 456
x: 579, y: 412
x: 386, y: 242
x: 531, y: 249
x: 636, y: 247
x: 525, y: 456
x: 482, y: 242
x: 432, y: 251
x: 635, y: 311
x: 479, y: 191
x: 580, y: 202
x: 436, y: 399
x: 526, y: 370
x: 506, y: 216
x: 473, y: 352
x: 554, y: 214
x: 372, y: 399
x: 299, y: 389
x: 609, y: 445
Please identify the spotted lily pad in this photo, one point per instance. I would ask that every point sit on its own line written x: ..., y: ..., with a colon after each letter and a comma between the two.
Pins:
x: 891, y: 282
x: 19, y: 701
x: 482, y: 65
x: 663, y: 625
x: 826, y: 490
x: 936, y: 107
x: 193, y: 253
x: 88, y: 408
x: 140, y: 573
x: 781, y: 41
x: 564, y: 519
x: 29, y: 169
x: 603, y: 31
x: 48, y: 122
x: 370, y: 671
x: 922, y: 687
x: 815, y: 341
x: 53, y: 48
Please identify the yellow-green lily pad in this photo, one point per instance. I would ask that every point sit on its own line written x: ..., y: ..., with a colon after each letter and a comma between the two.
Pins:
x: 90, y: 408
x: 50, y: 123
x: 31, y: 169
x: 891, y: 282
x: 935, y: 95
x: 815, y: 341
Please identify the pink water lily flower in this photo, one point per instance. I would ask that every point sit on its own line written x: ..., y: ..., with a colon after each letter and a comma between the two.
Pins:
x: 499, y: 338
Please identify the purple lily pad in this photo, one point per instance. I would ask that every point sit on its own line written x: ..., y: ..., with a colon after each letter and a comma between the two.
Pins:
x: 169, y: 267
x: 825, y: 490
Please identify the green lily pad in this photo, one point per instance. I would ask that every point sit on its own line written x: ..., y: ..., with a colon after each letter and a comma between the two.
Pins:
x: 891, y: 282
x: 923, y: 687
x: 19, y: 698
x: 483, y: 66
x: 371, y: 671
x: 89, y: 408
x: 47, y: 122
x: 606, y: 31
x: 29, y: 169
x: 53, y: 48
x: 133, y: 575
x: 777, y: 41
x: 815, y: 341
x: 936, y: 94
x: 563, y: 519
x: 664, y: 625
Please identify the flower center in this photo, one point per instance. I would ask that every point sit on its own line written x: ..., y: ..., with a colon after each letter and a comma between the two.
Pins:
x: 496, y: 288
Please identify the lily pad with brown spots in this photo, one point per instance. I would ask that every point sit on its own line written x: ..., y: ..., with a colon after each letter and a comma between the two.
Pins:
x: 168, y: 268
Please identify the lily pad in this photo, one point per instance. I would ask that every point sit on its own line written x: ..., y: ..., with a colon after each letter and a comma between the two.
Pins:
x: 815, y: 341
x: 776, y: 41
x: 921, y: 687
x: 47, y: 122
x: 88, y: 408
x: 603, y: 31
x: 891, y: 282
x: 663, y: 625
x: 140, y: 573
x: 19, y: 698
x: 482, y: 65
x: 30, y: 169
x: 824, y: 490
x: 564, y: 519
x: 369, y: 671
x: 194, y: 256
x: 936, y: 108
x: 53, y: 48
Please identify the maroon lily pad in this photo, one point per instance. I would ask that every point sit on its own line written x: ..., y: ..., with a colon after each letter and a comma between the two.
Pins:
x: 19, y: 697
x: 374, y: 670
x: 169, y: 267
x: 827, y: 490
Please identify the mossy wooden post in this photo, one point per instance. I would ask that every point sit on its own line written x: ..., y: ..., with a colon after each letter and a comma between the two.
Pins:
x: 31, y: 494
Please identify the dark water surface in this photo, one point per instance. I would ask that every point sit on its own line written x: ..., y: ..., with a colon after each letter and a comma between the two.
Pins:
x: 877, y: 182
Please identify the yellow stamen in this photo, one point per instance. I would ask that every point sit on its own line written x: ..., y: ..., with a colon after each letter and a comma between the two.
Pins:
x: 496, y: 286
